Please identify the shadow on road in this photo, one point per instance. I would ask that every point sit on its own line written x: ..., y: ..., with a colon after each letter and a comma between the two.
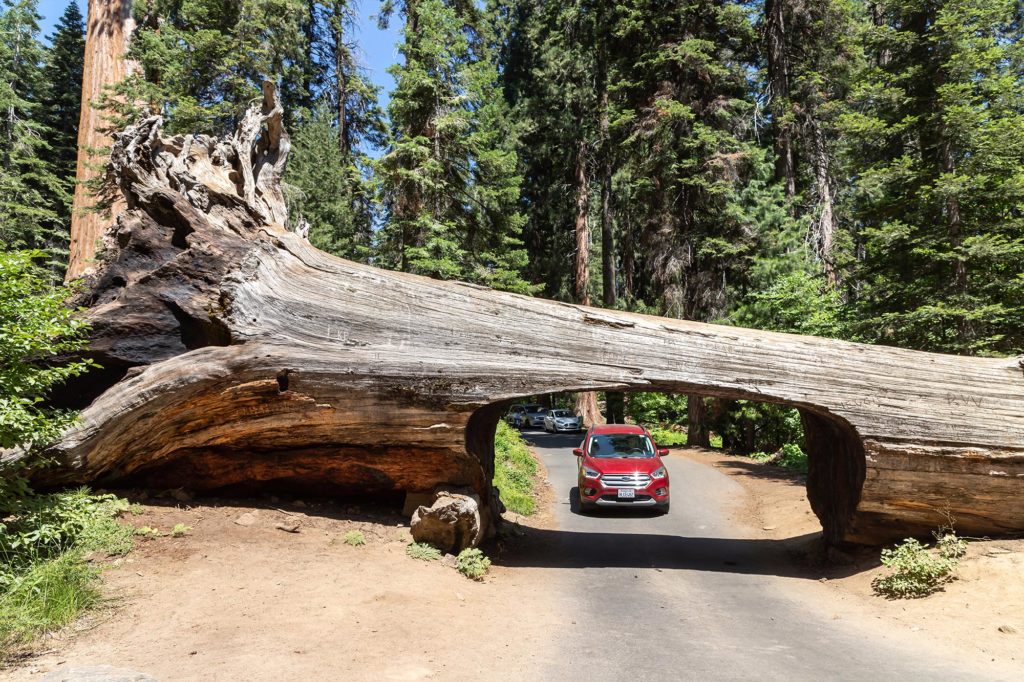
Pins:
x: 544, y: 548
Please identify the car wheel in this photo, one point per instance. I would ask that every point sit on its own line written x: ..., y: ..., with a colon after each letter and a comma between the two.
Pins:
x: 663, y: 508
x: 585, y: 507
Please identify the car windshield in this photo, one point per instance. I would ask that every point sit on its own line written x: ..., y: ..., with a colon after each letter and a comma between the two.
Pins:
x: 621, y: 445
x: 535, y: 408
x: 561, y: 413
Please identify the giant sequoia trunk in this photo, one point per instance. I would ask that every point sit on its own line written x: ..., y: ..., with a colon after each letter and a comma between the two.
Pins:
x: 108, y: 30
x: 238, y: 354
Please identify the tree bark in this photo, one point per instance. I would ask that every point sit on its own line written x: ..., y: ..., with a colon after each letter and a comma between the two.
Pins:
x: 236, y: 354
x: 586, y: 401
x: 109, y: 28
x: 697, y: 434
x: 777, y: 52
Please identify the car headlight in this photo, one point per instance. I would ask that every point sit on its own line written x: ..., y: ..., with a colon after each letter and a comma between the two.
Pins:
x: 659, y: 473
x: 591, y: 473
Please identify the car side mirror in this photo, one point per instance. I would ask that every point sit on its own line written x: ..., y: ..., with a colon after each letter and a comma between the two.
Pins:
x: 577, y: 452
x: 662, y: 452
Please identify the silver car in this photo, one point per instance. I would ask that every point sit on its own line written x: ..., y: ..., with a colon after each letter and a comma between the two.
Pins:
x: 562, y: 420
x: 533, y: 415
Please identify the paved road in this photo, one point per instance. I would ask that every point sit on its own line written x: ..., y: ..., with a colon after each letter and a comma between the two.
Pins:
x: 685, y: 596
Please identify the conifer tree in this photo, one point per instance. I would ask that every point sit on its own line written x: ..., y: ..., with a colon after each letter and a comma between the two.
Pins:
x: 935, y: 139
x: 62, y: 103
x: 30, y: 189
x: 449, y: 176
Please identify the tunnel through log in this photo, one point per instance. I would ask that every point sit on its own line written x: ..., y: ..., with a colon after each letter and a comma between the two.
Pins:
x: 202, y: 302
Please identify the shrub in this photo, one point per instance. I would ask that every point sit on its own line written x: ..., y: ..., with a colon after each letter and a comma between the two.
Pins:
x: 423, y: 551
x: 34, y: 325
x: 514, y: 471
x: 667, y: 438
x: 354, y: 538
x: 180, y: 530
x: 916, y: 571
x: 473, y: 564
x: 789, y: 456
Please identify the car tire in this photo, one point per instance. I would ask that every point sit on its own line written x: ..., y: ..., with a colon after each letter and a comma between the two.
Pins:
x: 584, y: 506
x: 663, y: 508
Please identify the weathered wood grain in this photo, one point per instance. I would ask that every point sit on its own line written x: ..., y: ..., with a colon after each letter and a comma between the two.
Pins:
x: 246, y: 355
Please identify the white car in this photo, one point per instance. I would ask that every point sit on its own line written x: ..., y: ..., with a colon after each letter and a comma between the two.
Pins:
x: 562, y: 420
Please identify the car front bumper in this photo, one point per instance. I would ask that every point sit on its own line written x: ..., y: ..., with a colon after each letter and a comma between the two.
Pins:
x: 654, y: 495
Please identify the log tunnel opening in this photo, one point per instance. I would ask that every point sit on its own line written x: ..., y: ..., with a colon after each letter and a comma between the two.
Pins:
x: 836, y: 466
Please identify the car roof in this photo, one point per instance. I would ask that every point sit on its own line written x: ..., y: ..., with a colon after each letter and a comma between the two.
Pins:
x: 617, y: 428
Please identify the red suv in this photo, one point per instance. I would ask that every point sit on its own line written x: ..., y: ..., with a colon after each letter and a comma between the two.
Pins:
x: 620, y: 466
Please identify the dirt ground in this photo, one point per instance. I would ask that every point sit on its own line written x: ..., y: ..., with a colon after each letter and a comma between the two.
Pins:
x: 979, y: 613
x: 238, y: 594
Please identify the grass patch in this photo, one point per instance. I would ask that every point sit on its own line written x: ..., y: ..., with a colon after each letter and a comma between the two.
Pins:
x: 423, y: 551
x: 514, y: 471
x: 45, y: 581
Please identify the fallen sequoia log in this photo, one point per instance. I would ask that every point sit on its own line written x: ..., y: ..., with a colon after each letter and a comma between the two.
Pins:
x: 236, y: 354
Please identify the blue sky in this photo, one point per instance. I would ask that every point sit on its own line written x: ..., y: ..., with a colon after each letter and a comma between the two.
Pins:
x: 378, y: 47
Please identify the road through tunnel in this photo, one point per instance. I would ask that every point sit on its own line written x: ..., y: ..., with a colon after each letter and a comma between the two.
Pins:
x: 835, y: 459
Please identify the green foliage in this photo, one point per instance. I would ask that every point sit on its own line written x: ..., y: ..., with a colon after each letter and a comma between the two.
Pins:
x: 44, y: 580
x: 423, y: 551
x: 34, y: 325
x: 667, y: 438
x: 33, y: 196
x: 747, y: 426
x: 49, y: 595
x: 789, y: 456
x: 62, y: 101
x: 656, y: 408
x: 515, y: 471
x: 329, y: 187
x: 917, y: 571
x: 473, y: 564
x: 934, y: 135
x: 449, y: 175
x: 42, y: 527
x: 354, y: 538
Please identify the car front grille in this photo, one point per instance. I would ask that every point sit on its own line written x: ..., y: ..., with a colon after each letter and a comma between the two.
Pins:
x: 633, y: 480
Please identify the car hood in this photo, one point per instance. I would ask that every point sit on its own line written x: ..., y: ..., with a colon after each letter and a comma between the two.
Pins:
x: 624, y: 465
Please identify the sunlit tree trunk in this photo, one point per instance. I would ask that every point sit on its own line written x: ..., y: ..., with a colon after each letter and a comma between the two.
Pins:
x: 108, y: 30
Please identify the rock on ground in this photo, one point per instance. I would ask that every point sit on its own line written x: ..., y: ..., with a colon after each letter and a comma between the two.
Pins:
x: 451, y: 523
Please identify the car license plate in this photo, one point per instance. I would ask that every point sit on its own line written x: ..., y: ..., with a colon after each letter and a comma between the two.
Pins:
x: 626, y: 493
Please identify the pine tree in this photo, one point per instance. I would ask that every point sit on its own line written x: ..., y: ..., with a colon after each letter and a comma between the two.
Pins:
x: 935, y: 140
x: 330, y: 172
x: 200, y: 63
x: 62, y: 103
x: 449, y: 176
x: 30, y: 189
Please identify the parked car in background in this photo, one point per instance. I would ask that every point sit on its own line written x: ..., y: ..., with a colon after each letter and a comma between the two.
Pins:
x: 562, y: 420
x: 514, y: 416
x: 533, y: 416
x: 619, y: 466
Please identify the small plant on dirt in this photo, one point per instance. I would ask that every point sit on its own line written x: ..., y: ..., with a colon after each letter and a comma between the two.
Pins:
x: 917, y: 571
x: 354, y: 538
x: 147, y: 532
x: 473, y: 564
x: 423, y: 551
x: 180, y: 530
